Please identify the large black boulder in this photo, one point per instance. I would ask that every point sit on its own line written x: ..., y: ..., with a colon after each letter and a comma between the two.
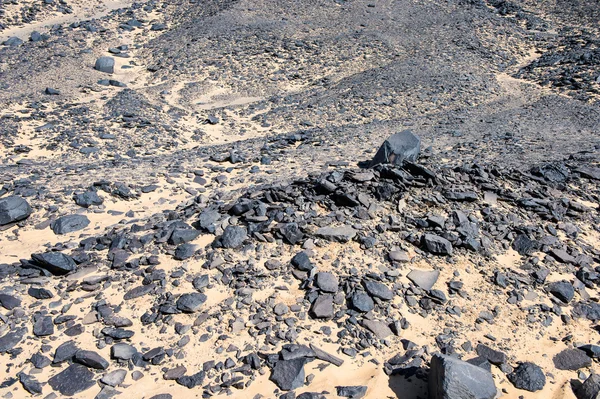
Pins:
x: 528, y: 376
x: 56, y: 263
x: 13, y: 209
x: 399, y: 147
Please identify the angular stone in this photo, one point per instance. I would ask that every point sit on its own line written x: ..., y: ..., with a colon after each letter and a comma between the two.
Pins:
x: 563, y: 290
x: 451, y: 378
x: 378, y: 290
x: 122, y: 351
x: 43, y: 326
x: 192, y: 381
x: 379, y: 328
x: 590, y: 389
x: 69, y: 224
x: 139, y: 291
x: 289, y: 374
x: 11, y: 339
x: 114, y: 378
x: 491, y: 355
x: 185, y: 251
x: 40, y: 293
x: 437, y: 245
x: 56, y: 263
x: 292, y: 233
x: 65, y: 351
x: 181, y: 236
x: 424, y: 279
x: 326, y: 357
x: 105, y: 64
x: 175, y: 373
x: 87, y: 199
x: 30, y: 384
x: 399, y: 147
x: 74, y: 379
x: 190, y: 303
x: 13, y: 209
x: 9, y: 302
x: 233, y: 237
x: 571, y: 359
x: 322, y: 307
x: 362, y: 302
x: 528, y: 376
x: 339, y: 234
x: 301, y: 261
x: 90, y: 359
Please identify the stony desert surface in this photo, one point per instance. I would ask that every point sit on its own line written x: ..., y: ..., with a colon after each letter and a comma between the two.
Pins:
x: 299, y: 199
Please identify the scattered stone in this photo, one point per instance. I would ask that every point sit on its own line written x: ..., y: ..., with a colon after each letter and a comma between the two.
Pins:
x: 563, y: 290
x: 528, y: 376
x: 105, y: 64
x: 399, y: 147
x: 69, y: 224
x: 340, y: 234
x: 437, y: 245
x: 56, y: 263
x: 424, y: 279
x: 289, y: 374
x: 190, y: 303
x: 91, y: 359
x: 72, y: 380
x: 571, y: 359
x: 451, y: 378
x: 13, y: 209
x: 353, y: 392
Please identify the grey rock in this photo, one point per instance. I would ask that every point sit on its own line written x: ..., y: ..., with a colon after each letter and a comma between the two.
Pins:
x: 65, y: 351
x: 56, y: 263
x: 378, y: 290
x: 105, y: 64
x: 362, y: 302
x: 590, y: 389
x: 70, y: 223
x: 9, y: 302
x: 175, y: 373
x: 233, y: 237
x: 491, y: 355
x: 302, y: 262
x: 74, y: 379
x: 326, y: 282
x: 107, y: 392
x: 437, y: 245
x: 39, y: 361
x: 43, y: 326
x: 192, y: 381
x: 399, y: 147
x: 13, y: 209
x: 352, y: 392
x: 139, y: 291
x: 322, y: 307
x: 292, y: 233
x: 563, y: 290
x: 114, y: 378
x: 190, y: 303
x: 451, y: 378
x: 185, y: 251
x: 91, y: 359
x: 528, y: 376
x: 122, y: 351
x: 181, y: 236
x: 326, y: 357
x: 379, y: 328
x: 339, y: 234
x: 30, y: 384
x: 289, y: 374
x: 11, y: 339
x: 87, y: 199
x: 571, y: 359
x: 424, y: 279
x: 40, y: 293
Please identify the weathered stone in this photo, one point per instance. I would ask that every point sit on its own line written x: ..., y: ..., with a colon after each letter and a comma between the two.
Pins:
x: 451, y: 378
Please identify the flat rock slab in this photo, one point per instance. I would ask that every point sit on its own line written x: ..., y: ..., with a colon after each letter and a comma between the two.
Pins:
x: 74, y: 379
x: 289, y: 374
x: 11, y: 339
x: 571, y: 359
x: 437, y: 245
x: 190, y: 303
x: 379, y: 328
x: 424, y: 279
x: 338, y: 234
x: 69, y: 224
x: 56, y: 263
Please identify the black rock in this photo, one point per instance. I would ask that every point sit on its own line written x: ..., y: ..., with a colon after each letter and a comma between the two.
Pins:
x: 87, y: 199
x: 491, y: 355
x: 339, y: 234
x: 190, y: 303
x: 592, y: 351
x: 590, y: 389
x: 399, y: 147
x: 589, y: 310
x: 40, y: 293
x: 451, y: 378
x: 289, y: 374
x: 9, y: 302
x: 528, y: 376
x: 437, y: 245
x: 181, y: 236
x: 563, y: 290
x: 362, y: 302
x: 51, y: 92
x: 192, y: 381
x: 11, y: 339
x: 56, y: 263
x: 91, y: 359
x: 207, y: 220
x: 301, y: 261
x: 571, y: 359
x: 40, y: 361
x: 139, y: 291
x: 524, y: 246
x: 326, y: 282
x: 185, y: 251
x: 65, y: 351
x: 114, y: 378
x: 43, y: 326
x: 70, y: 223
x: 322, y: 307
x: 292, y: 233
x: 353, y: 392
x: 233, y: 237
x: 378, y: 290
x: 105, y: 64
x: 117, y: 333
x: 13, y: 209
x: 74, y: 379
x: 30, y: 384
